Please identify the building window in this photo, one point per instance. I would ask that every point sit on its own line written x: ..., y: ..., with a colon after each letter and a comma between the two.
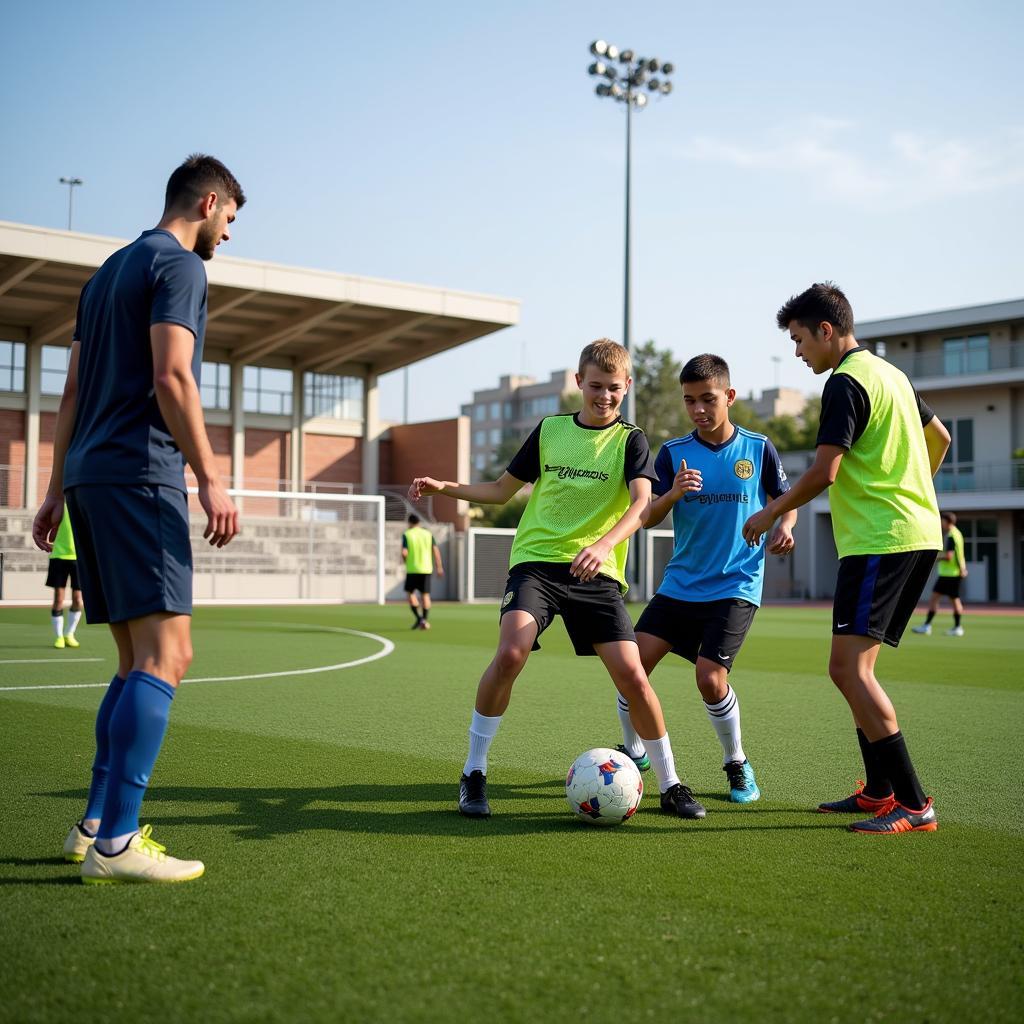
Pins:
x: 957, y: 470
x: 12, y: 366
x: 481, y: 462
x: 54, y: 369
x: 266, y: 390
x: 215, y: 391
x: 496, y: 436
x: 495, y: 410
x: 965, y: 355
x: 479, y: 438
x: 333, y: 396
x: 480, y: 412
x: 506, y: 411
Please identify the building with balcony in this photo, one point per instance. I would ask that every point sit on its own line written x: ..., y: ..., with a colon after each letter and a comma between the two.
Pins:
x: 968, y: 365
x: 509, y: 412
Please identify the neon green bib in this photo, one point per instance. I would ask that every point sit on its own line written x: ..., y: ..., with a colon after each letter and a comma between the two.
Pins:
x: 953, y: 567
x: 883, y: 499
x: 580, y: 495
x: 420, y: 545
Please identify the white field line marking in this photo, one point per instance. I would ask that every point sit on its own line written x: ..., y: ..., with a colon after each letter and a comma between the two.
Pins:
x: 386, y: 648
x: 46, y: 661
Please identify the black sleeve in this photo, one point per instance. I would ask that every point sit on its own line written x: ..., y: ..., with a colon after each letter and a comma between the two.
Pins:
x: 664, y: 471
x: 639, y: 460
x: 950, y: 546
x: 405, y: 541
x: 525, y: 464
x: 845, y: 409
x: 924, y: 409
x: 773, y: 476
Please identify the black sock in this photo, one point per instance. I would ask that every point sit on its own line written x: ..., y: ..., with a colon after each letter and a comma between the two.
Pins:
x: 426, y: 612
x: 928, y: 621
x: 415, y: 612
x: 876, y: 781
x: 956, y: 619
x: 891, y: 754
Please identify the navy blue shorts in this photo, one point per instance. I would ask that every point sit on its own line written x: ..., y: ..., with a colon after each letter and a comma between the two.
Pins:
x: 134, y: 554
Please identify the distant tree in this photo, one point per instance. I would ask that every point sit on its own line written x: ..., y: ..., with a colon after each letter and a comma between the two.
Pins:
x: 659, y: 404
x: 743, y: 416
x: 785, y: 432
x: 811, y: 420
x: 509, y: 514
x: 570, y: 401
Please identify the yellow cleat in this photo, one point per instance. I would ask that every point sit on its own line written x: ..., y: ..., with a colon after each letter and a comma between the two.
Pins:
x: 59, y: 643
x: 70, y: 641
x: 77, y: 844
x: 144, y: 860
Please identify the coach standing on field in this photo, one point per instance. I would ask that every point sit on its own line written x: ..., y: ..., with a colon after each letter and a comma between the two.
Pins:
x: 129, y: 419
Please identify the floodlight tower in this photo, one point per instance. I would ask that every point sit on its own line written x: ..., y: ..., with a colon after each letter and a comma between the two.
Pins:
x: 627, y: 84
x: 71, y: 183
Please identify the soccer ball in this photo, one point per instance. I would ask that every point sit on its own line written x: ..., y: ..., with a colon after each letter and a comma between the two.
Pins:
x: 603, y: 787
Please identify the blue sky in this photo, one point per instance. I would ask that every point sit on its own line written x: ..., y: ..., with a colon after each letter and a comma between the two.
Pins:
x: 458, y: 144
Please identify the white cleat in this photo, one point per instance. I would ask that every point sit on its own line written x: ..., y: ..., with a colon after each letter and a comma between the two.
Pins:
x: 925, y: 630
x: 143, y: 860
x: 77, y: 844
x: 955, y: 631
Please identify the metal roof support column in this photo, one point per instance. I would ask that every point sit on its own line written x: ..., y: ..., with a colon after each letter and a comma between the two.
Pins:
x: 33, y: 379
x: 297, y: 460
x: 371, y: 434
x: 238, y: 428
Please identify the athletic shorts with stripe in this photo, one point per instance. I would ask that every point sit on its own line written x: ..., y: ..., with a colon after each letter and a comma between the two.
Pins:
x: 708, y: 629
x: 876, y: 594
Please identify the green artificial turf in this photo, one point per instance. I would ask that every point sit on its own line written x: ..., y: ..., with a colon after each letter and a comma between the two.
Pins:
x: 342, y: 885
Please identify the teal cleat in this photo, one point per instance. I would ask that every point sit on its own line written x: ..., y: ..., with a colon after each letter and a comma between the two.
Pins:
x: 643, y: 762
x: 742, y: 786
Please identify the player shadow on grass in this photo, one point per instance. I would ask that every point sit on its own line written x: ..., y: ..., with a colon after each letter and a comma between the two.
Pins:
x: 255, y: 813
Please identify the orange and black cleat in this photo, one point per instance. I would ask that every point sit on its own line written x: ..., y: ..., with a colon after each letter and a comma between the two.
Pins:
x: 899, y: 819
x: 860, y: 803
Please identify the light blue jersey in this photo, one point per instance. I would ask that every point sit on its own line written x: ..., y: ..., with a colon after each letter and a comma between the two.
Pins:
x: 711, y: 561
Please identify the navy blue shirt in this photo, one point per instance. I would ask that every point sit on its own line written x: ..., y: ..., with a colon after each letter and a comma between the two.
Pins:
x: 120, y: 436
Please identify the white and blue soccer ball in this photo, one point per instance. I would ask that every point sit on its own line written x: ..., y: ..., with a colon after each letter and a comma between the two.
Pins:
x: 603, y: 787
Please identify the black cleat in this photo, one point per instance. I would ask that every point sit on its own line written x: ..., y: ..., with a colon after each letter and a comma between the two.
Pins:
x: 473, y: 795
x: 680, y: 801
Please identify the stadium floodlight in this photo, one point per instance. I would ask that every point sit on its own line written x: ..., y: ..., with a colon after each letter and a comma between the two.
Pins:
x: 71, y: 184
x: 630, y: 84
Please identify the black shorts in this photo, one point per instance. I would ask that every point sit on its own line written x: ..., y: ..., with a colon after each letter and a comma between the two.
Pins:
x: 708, y: 629
x: 417, y: 581
x: 877, y: 594
x: 947, y: 586
x: 593, y: 612
x: 134, y: 553
x: 60, y: 570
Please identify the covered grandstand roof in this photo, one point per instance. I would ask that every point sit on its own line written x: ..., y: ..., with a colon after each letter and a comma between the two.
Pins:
x: 315, y: 319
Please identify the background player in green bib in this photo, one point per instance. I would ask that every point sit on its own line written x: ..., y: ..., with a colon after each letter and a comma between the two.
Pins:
x: 62, y: 568
x: 592, y: 477
x: 421, y: 556
x: 952, y: 569
x: 878, y: 448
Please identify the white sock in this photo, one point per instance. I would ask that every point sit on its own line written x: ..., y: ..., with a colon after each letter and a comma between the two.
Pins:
x: 114, y: 845
x: 630, y: 740
x: 58, y: 623
x: 660, y: 753
x: 91, y: 825
x: 73, y: 619
x: 725, y: 717
x: 481, y: 731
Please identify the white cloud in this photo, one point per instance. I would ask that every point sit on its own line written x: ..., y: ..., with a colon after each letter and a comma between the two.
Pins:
x: 902, y: 169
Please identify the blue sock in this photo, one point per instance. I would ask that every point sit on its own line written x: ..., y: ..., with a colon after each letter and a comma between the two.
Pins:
x: 101, y: 763
x: 137, y: 729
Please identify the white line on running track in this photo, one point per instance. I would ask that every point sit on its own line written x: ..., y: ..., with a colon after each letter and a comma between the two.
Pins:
x: 46, y: 661
x: 386, y: 648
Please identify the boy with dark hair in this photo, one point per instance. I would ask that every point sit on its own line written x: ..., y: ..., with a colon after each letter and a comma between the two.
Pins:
x: 129, y: 419
x: 62, y: 568
x: 592, y: 478
x: 952, y: 570
x: 712, y: 585
x: 421, y: 556
x: 879, y: 446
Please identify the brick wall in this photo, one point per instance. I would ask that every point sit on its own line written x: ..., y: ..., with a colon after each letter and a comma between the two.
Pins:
x: 332, y: 460
x: 428, y: 449
x: 12, y: 453
x: 220, y: 442
x: 266, y: 457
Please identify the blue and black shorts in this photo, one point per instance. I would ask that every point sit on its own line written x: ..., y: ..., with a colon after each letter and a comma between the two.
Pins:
x: 877, y: 594
x: 134, y: 553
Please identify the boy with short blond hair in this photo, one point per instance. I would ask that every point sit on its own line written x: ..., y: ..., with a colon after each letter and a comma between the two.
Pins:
x: 592, y: 478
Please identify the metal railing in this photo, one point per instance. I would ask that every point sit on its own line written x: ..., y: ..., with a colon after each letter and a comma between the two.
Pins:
x: 996, y: 358
x: 981, y: 476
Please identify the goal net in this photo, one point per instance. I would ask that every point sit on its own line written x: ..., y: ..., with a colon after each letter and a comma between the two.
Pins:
x: 487, y: 554
x: 297, y: 546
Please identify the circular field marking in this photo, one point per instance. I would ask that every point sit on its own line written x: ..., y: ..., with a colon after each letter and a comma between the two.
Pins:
x: 387, y: 646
